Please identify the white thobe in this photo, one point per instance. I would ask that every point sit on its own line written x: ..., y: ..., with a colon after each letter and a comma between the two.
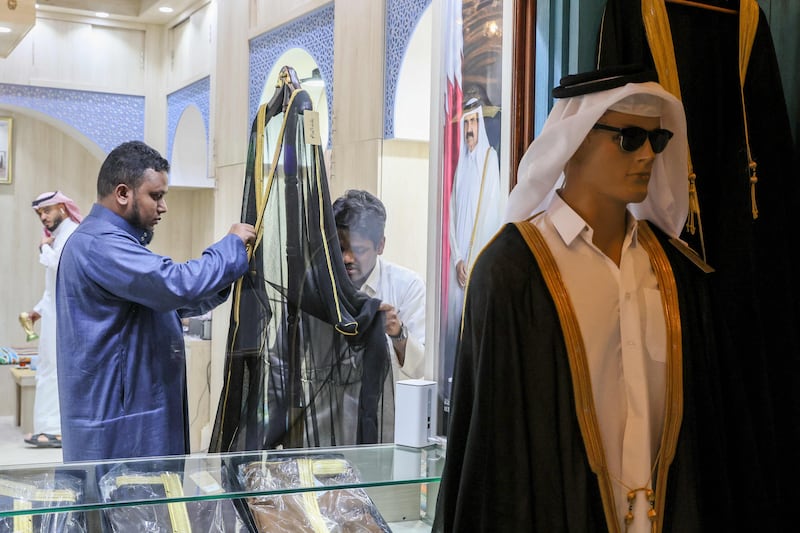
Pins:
x: 46, y: 412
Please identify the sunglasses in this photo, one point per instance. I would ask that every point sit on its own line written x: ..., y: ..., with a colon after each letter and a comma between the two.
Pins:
x: 633, y: 137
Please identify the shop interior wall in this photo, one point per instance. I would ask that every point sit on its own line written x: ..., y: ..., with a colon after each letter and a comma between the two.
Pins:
x: 55, y: 54
x: 174, y: 58
x: 65, y: 53
x: 45, y: 159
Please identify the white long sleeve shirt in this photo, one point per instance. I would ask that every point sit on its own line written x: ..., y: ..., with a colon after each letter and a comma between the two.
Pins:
x: 622, y: 322
x: 405, y: 291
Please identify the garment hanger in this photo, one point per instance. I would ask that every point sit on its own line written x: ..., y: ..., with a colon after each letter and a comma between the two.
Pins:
x: 704, y: 6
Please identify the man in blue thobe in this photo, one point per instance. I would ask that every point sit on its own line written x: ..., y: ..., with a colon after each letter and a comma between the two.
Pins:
x: 121, y: 358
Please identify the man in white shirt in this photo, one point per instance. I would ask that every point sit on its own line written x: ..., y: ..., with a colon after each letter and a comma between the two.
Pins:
x: 59, y: 216
x: 360, y: 221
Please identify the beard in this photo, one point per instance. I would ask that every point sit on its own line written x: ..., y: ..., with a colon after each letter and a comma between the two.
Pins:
x: 135, y: 219
x: 469, y: 138
x: 55, y: 223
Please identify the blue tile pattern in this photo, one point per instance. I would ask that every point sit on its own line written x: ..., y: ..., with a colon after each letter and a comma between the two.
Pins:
x: 105, y: 119
x: 197, y: 94
x: 402, y: 17
x: 313, y: 33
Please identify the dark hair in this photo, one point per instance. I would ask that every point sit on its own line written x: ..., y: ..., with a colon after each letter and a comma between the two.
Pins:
x: 361, y: 212
x: 127, y: 164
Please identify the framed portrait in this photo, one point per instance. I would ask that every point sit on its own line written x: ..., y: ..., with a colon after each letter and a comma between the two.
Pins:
x: 5, y: 150
x: 474, y: 166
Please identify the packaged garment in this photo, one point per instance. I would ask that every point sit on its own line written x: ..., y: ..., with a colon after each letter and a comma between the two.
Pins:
x: 329, y: 511
x: 41, y: 490
x: 124, y: 484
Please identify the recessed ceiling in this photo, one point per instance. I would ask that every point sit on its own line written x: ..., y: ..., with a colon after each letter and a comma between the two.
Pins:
x: 141, y: 11
x: 144, y: 11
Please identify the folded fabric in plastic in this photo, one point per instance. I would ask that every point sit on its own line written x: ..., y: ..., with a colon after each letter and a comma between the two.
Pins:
x: 334, y: 511
x: 122, y: 484
x: 41, y: 490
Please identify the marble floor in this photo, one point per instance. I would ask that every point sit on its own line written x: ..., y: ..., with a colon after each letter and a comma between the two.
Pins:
x: 14, y: 450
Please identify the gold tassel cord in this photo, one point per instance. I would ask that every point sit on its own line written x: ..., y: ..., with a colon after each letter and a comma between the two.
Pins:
x: 694, y: 205
x: 652, y: 514
x: 748, y: 24
x: 659, y: 37
x: 753, y: 181
x: 693, y: 222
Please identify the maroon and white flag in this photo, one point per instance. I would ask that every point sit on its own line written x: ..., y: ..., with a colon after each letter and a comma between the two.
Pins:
x: 451, y: 140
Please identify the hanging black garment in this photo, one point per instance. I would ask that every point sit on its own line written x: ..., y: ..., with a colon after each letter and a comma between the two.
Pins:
x: 307, y: 362
x: 754, y: 292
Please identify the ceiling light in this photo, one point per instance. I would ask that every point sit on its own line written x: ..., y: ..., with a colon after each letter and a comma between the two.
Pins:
x: 101, y: 15
x: 166, y: 9
x: 3, y: 29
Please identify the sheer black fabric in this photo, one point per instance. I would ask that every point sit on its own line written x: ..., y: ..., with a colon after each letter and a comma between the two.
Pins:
x: 307, y: 362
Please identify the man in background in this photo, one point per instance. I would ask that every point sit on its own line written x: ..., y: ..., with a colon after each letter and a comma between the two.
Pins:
x: 59, y: 216
x: 122, y: 371
x: 360, y: 222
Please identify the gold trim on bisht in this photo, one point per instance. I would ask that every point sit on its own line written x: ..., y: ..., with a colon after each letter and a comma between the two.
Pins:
x: 673, y: 413
x: 581, y: 380
x: 659, y: 37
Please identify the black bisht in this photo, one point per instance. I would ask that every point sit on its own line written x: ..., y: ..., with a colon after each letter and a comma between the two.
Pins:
x: 754, y: 292
x: 307, y: 362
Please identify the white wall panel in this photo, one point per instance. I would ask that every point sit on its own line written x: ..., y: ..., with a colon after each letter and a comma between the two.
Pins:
x: 192, y: 47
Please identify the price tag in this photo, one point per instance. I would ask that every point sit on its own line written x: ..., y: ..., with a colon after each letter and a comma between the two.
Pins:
x: 311, y: 127
x: 206, y: 482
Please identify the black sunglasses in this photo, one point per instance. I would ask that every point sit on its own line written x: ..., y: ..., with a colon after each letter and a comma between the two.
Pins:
x: 633, y: 137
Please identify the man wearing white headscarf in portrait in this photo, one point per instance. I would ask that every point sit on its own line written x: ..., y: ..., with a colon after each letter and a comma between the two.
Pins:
x: 476, y: 212
x: 585, y: 389
x: 59, y: 216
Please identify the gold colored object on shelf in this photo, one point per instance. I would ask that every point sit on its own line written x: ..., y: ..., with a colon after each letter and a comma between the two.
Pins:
x: 27, y: 324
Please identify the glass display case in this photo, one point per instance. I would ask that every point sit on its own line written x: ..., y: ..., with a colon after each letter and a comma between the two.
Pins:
x: 374, y: 488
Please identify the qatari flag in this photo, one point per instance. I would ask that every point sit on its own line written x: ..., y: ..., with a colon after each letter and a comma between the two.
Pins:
x: 454, y: 45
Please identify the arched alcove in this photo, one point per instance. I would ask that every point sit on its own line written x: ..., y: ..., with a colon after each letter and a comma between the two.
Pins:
x: 412, y: 111
x: 190, y: 152
x: 48, y: 155
x: 310, y: 80
x: 404, y: 179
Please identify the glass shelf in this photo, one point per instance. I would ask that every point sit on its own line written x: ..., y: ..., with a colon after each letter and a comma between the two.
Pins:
x: 209, y: 477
